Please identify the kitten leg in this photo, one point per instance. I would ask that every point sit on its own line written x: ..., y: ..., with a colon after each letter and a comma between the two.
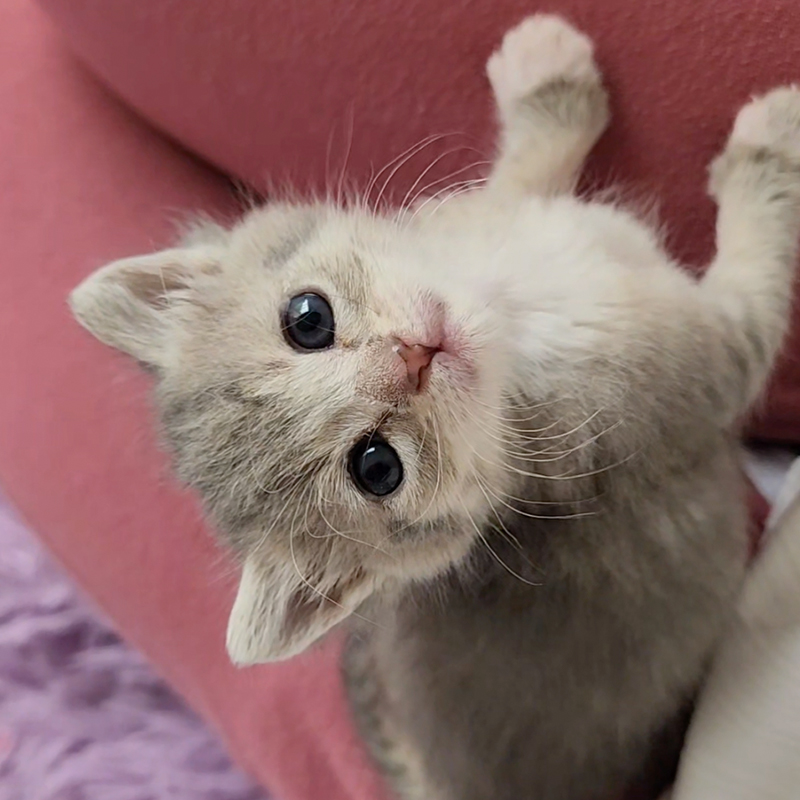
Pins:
x: 756, y: 182
x: 396, y: 757
x: 551, y: 104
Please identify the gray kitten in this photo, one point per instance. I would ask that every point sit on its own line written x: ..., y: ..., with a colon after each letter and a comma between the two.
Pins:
x: 497, y: 431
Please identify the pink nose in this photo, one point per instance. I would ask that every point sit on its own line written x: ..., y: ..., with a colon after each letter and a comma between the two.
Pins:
x: 418, y: 359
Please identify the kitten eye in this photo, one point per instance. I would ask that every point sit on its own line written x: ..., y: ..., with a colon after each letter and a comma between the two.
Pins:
x: 308, y: 322
x: 375, y: 466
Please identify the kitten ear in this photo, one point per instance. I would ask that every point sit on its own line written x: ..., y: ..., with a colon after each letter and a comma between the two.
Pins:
x: 276, y: 615
x: 126, y: 304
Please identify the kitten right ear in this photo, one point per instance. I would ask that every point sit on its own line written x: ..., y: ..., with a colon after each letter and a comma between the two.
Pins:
x: 126, y: 304
x: 278, y: 613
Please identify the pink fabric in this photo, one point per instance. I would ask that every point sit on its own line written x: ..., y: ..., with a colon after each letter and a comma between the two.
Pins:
x: 275, y: 90
x: 82, y: 716
x: 84, y: 182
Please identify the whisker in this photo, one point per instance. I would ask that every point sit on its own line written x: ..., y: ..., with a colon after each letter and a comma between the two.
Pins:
x: 592, y: 416
x: 407, y: 203
x: 303, y: 578
x: 447, y: 199
x: 520, y: 432
x: 400, y: 162
x: 412, y: 150
x: 427, y: 169
x: 278, y: 517
x: 513, y: 540
x: 494, y: 554
x: 450, y: 188
x: 318, y: 591
x: 551, y: 455
x: 422, y: 440
x: 499, y: 493
x: 343, y: 535
x: 565, y: 476
x: 521, y: 406
x: 348, y: 151
x: 510, y: 436
x: 576, y: 515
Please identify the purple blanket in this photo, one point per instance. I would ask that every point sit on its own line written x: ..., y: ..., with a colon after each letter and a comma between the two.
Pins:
x: 82, y: 717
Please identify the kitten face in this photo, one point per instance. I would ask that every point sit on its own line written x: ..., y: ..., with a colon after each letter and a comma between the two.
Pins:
x: 266, y: 429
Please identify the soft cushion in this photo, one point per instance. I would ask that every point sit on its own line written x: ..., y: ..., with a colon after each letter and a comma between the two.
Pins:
x: 280, y: 90
x: 83, y: 182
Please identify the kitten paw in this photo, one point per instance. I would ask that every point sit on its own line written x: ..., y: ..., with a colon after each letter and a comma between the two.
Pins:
x: 771, y: 122
x: 765, y: 144
x: 541, y: 50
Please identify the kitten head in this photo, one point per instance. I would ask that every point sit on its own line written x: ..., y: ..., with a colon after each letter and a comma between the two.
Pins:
x: 336, y: 409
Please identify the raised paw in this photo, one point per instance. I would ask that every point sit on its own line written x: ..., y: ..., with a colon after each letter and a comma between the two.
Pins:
x: 771, y: 122
x: 767, y: 126
x: 539, y: 51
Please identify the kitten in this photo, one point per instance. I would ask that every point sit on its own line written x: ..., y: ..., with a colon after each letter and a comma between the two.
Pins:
x: 498, y: 434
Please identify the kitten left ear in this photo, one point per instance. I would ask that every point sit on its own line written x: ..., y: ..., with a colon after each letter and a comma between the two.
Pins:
x: 127, y: 304
x: 277, y: 615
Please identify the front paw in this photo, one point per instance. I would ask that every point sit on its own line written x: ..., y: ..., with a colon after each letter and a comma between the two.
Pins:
x: 771, y: 122
x: 541, y: 51
x: 766, y: 141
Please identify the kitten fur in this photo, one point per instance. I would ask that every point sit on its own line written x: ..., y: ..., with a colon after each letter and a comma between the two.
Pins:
x: 534, y: 606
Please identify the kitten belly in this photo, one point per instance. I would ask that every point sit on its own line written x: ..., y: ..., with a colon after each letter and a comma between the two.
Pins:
x: 487, y: 696
x: 430, y: 749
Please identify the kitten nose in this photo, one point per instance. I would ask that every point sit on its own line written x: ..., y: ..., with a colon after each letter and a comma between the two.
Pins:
x: 418, y: 359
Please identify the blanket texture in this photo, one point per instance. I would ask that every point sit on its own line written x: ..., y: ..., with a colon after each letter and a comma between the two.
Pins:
x: 82, y: 717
